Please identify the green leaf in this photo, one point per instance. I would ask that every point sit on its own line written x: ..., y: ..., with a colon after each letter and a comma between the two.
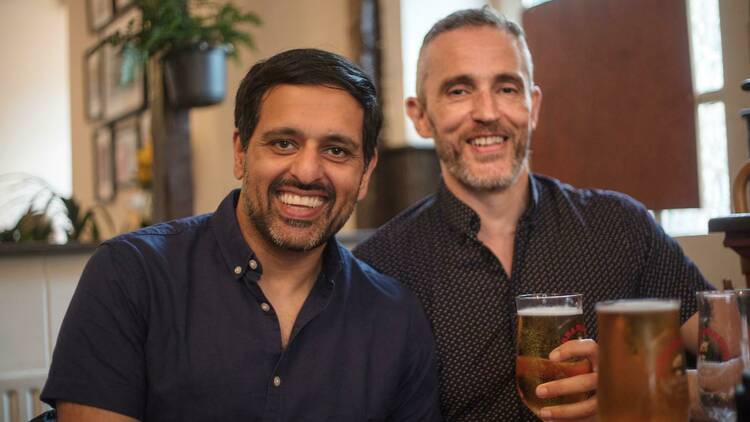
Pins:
x: 168, y: 24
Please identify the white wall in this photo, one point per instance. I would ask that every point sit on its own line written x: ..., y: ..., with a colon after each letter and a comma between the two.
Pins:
x: 35, y: 100
x: 34, y: 294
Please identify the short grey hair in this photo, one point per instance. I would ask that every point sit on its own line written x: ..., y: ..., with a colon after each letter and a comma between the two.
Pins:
x: 467, y: 18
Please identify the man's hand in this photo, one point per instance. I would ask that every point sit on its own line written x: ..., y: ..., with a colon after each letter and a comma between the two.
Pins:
x: 584, y: 410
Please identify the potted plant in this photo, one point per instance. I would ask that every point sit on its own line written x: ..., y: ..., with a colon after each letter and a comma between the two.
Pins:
x: 193, y: 38
x: 47, y: 213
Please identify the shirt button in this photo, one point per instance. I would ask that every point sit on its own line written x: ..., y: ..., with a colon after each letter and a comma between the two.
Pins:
x: 265, y: 307
x: 238, y: 270
x: 253, y: 264
x: 276, y: 381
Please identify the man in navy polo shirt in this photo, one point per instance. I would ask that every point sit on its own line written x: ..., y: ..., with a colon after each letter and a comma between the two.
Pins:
x: 256, y: 312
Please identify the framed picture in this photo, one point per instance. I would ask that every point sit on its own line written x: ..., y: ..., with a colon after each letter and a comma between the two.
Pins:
x: 104, y: 171
x: 127, y: 139
x: 93, y: 73
x: 100, y: 13
x: 121, y: 97
x: 123, y: 5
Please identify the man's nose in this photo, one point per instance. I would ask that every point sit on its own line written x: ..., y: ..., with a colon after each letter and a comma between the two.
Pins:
x: 485, y: 107
x: 307, y: 166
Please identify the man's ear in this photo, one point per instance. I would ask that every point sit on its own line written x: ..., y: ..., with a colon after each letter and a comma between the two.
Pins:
x: 536, y: 105
x: 418, y: 115
x: 239, y: 155
x: 365, y: 182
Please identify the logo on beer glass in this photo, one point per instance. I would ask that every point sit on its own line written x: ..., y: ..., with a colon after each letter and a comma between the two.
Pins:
x: 576, y: 331
x: 713, y: 347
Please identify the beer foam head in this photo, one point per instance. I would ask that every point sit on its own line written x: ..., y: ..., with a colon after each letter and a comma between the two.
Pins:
x: 550, y: 311
x: 638, y: 305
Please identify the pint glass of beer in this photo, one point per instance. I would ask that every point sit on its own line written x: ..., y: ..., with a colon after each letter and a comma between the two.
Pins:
x: 544, y: 322
x: 720, y: 362
x: 641, y: 362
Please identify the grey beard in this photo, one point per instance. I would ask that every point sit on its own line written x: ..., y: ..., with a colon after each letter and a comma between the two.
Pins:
x: 464, y: 176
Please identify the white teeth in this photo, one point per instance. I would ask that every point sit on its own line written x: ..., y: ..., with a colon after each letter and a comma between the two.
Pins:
x: 301, y: 201
x: 487, y: 140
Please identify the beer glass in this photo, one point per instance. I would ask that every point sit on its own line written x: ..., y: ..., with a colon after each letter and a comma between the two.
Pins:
x: 720, y: 362
x: 641, y: 362
x: 544, y: 322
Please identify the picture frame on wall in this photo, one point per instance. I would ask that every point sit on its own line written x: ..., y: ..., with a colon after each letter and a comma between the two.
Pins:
x: 104, y: 170
x: 127, y: 140
x: 121, y: 98
x: 99, y: 13
x: 93, y: 73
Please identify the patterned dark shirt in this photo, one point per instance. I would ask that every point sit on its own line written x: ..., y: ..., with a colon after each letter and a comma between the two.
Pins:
x: 600, y: 243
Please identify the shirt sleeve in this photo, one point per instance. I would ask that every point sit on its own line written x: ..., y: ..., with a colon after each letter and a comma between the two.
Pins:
x: 418, y: 398
x: 667, y: 272
x: 99, y: 356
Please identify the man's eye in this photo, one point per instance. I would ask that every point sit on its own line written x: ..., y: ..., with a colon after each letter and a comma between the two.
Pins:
x: 283, y: 144
x: 457, y: 91
x: 508, y: 90
x: 337, y: 151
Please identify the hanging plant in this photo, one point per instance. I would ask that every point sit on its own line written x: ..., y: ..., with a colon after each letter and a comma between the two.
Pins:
x: 171, y: 25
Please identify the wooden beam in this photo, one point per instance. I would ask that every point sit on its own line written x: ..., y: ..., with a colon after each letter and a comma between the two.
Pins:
x: 173, y: 164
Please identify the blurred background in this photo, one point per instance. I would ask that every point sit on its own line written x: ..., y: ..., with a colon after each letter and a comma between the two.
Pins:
x: 640, y: 96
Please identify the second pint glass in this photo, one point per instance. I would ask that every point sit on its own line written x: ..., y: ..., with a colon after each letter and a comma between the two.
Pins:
x: 641, y: 362
x: 545, y: 321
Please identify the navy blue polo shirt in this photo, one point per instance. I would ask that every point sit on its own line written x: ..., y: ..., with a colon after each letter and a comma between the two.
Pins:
x: 169, y: 323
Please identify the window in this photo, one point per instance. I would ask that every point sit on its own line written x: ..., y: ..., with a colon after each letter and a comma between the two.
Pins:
x: 708, y: 82
x: 417, y: 17
x: 531, y: 3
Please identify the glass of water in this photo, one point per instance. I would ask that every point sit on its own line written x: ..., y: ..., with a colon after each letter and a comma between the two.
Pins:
x: 722, y: 338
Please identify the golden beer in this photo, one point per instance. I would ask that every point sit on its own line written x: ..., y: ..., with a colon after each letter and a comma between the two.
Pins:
x: 641, y: 362
x: 540, y: 330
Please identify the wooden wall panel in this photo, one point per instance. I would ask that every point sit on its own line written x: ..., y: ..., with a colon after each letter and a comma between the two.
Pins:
x: 618, y: 109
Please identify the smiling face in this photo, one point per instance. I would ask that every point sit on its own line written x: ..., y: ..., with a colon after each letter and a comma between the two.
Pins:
x: 303, y: 170
x: 478, y: 105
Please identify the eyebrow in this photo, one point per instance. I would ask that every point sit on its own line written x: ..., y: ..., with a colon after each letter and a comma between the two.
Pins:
x: 468, y: 80
x: 283, y: 131
x: 509, y: 77
x: 343, y: 140
x: 457, y: 80
x: 337, y: 138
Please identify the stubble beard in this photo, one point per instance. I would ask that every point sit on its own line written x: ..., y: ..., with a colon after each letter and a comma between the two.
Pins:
x: 270, y: 224
x: 453, y: 159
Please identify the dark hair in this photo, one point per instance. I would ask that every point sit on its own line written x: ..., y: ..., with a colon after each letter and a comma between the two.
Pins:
x: 308, y: 67
x: 484, y: 16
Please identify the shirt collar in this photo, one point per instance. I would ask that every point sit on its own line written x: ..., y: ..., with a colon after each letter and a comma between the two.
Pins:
x: 237, y: 253
x: 332, y: 259
x: 464, y: 219
x: 532, y: 209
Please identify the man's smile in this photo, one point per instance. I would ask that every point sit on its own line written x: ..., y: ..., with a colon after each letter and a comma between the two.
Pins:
x: 484, y: 141
x: 488, y: 143
x: 307, y: 201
